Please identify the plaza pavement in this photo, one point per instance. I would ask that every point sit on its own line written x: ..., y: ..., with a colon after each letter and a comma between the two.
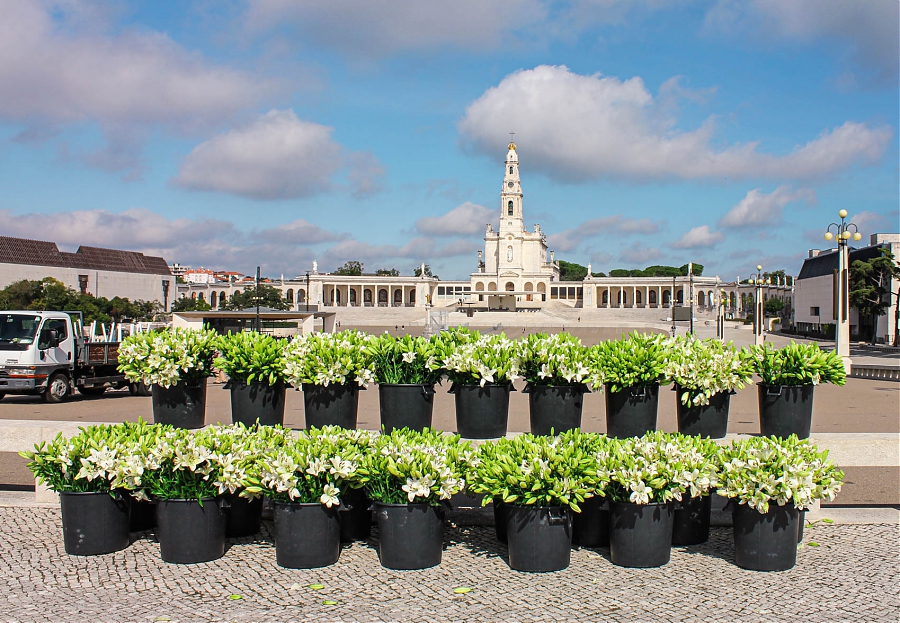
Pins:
x: 844, y: 572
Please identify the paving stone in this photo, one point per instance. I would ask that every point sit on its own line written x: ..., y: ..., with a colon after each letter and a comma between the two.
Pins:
x: 852, y: 576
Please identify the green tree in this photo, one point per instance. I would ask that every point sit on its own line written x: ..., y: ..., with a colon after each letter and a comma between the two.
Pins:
x: 187, y: 303
x: 387, y: 272
x: 870, y: 282
x: 21, y: 294
x: 352, y: 268
x: 269, y: 296
x: 417, y: 271
x: 698, y: 270
x: 569, y: 271
x: 773, y: 306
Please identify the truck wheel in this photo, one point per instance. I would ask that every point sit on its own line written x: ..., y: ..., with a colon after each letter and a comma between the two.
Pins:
x: 57, y: 388
x: 91, y: 391
x: 138, y: 389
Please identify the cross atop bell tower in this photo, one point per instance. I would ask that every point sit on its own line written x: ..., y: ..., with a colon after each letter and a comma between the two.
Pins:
x: 511, y: 193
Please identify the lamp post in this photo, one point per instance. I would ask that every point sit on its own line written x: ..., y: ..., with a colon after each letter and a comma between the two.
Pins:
x: 759, y: 318
x: 842, y: 288
x: 720, y: 320
x: 307, y: 291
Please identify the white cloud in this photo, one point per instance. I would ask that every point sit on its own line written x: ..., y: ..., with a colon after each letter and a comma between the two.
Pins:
x: 367, y: 28
x: 569, y: 239
x: 464, y: 220
x: 698, y: 238
x: 870, y: 222
x: 58, y: 72
x: 135, y: 76
x: 413, y: 253
x: 639, y: 254
x: 867, y: 31
x: 277, y: 156
x: 758, y: 209
x: 578, y: 128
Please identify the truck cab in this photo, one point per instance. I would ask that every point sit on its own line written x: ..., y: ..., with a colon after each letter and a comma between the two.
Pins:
x: 46, y: 353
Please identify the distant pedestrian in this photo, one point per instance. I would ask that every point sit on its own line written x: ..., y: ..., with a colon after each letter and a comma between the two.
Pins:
x: 579, y: 318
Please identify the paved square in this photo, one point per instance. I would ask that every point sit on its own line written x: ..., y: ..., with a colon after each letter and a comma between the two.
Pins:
x: 851, y: 576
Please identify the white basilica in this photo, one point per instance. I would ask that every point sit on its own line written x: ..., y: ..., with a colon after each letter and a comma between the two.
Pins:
x: 515, y: 271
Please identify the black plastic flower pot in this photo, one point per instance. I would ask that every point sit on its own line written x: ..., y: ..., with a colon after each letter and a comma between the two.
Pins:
x: 632, y: 411
x: 189, y: 532
x: 765, y: 541
x: 94, y: 523
x: 253, y: 403
x: 143, y: 515
x: 356, y: 515
x: 306, y: 535
x: 640, y: 535
x: 334, y: 405
x: 709, y: 420
x: 590, y: 527
x: 243, y: 516
x: 539, y: 537
x: 691, y: 522
x: 410, y: 536
x: 554, y: 409
x: 802, y: 519
x: 785, y: 410
x: 405, y: 406
x: 482, y: 412
x: 183, y: 405
x: 500, y: 519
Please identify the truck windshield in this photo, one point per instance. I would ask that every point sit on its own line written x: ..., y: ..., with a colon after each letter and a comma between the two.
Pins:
x: 17, y: 331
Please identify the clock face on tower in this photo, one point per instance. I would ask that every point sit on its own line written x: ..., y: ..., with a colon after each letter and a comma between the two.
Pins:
x: 509, y: 184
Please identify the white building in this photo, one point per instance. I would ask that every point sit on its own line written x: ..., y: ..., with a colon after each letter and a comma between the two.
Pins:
x: 90, y: 270
x: 816, y: 308
x: 516, y: 269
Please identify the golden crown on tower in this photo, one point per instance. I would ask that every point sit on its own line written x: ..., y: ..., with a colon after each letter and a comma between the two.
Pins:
x: 511, y: 146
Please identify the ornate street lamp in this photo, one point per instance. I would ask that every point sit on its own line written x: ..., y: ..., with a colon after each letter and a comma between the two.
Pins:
x: 842, y: 233
x: 720, y: 320
x: 759, y: 315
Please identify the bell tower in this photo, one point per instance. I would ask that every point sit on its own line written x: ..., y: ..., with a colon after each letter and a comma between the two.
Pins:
x: 511, y: 195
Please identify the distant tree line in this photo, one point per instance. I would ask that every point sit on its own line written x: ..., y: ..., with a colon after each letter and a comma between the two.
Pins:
x: 49, y: 294
x: 354, y: 268
x: 569, y: 271
x: 269, y: 296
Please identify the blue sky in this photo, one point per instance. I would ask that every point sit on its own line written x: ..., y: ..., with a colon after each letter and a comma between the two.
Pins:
x: 230, y: 134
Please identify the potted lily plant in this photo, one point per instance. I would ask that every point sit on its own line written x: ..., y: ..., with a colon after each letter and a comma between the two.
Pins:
x: 699, y: 465
x: 254, y: 363
x: 648, y: 475
x: 85, y: 471
x: 631, y: 370
x: 406, y: 370
x: 176, y: 362
x: 789, y: 376
x: 540, y: 480
x: 482, y: 369
x: 705, y: 374
x: 554, y: 368
x: 331, y: 368
x: 409, y: 475
x: 773, y: 479
x: 187, y: 474
x: 305, y: 479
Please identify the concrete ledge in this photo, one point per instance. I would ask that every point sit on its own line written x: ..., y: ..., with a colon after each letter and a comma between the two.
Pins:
x: 874, y: 371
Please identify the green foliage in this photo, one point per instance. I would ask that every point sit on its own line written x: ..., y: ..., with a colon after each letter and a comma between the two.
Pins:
x: 472, y: 359
x: 798, y: 364
x: 269, y: 296
x: 530, y: 470
x: 634, y: 361
x: 326, y: 358
x: 404, y: 360
x: 251, y: 356
x: 186, y: 304
x: 759, y: 470
x: 656, y: 271
x: 168, y: 356
x: 50, y: 294
x: 704, y: 368
x: 569, y: 271
x: 870, y: 283
x: 353, y: 268
x: 558, y: 359
x: 387, y: 272
x: 417, y: 271
x: 773, y: 306
x: 416, y: 467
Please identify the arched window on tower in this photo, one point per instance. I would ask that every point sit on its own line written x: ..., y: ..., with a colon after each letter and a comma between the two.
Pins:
x: 509, y: 208
x: 510, y: 170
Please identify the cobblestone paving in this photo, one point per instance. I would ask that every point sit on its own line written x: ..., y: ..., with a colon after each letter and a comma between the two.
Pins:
x: 851, y: 576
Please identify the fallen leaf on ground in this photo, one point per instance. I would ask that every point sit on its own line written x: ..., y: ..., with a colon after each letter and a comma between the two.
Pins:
x: 317, y: 587
x: 329, y: 602
x: 462, y: 590
x: 235, y: 596
x: 813, y: 544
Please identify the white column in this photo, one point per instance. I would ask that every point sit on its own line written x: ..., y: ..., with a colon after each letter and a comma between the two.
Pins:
x: 842, y: 307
